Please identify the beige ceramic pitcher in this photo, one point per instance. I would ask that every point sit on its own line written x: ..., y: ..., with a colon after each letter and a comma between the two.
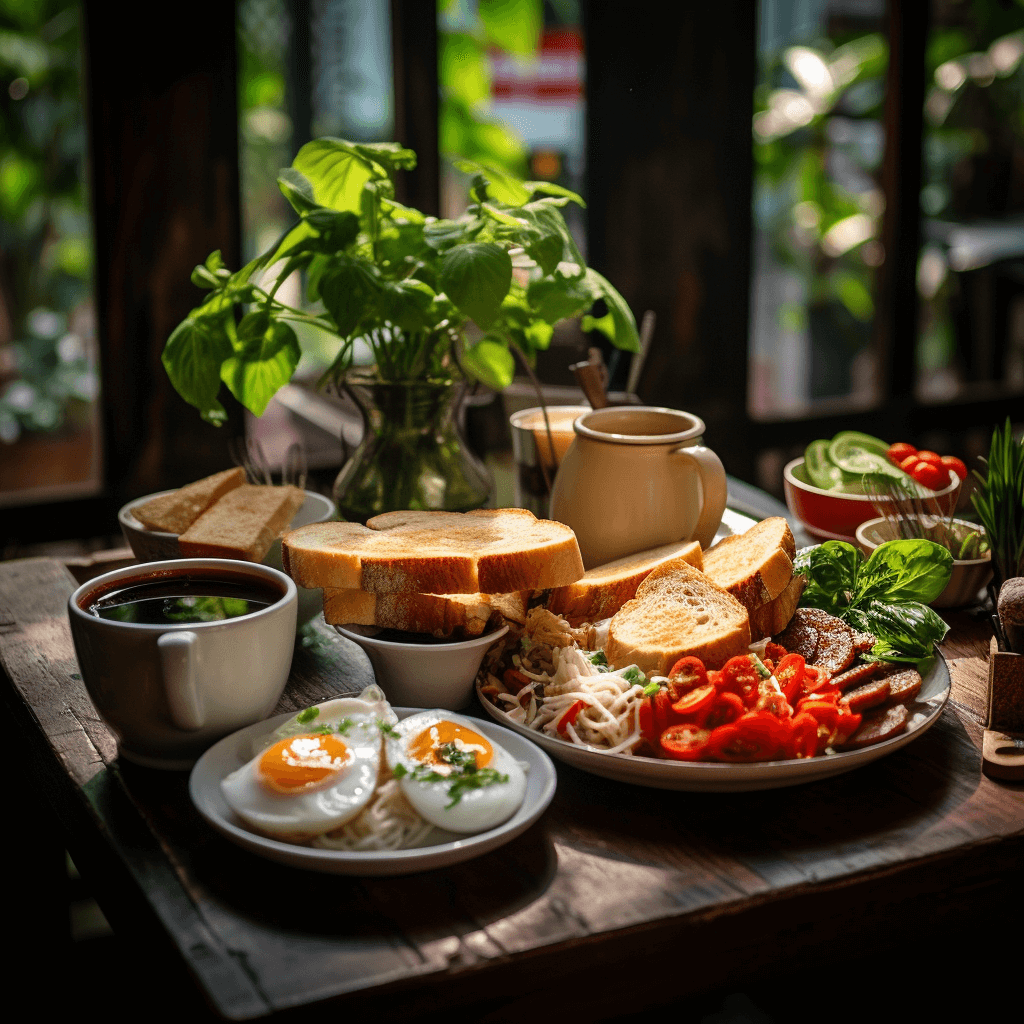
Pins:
x: 636, y: 477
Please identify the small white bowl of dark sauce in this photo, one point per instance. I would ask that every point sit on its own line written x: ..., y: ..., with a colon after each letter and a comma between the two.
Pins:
x: 417, y: 670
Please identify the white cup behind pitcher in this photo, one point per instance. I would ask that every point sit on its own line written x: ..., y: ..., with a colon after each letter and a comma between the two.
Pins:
x: 636, y: 477
x: 170, y: 688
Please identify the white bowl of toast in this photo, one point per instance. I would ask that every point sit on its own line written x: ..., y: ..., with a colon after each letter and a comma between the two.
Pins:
x: 222, y: 516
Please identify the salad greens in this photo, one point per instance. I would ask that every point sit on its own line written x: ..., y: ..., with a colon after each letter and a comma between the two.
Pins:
x: 887, y: 595
x: 432, y: 299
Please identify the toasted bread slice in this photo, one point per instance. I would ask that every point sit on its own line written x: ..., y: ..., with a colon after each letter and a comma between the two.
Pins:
x: 677, y: 611
x: 604, y: 589
x: 487, y: 551
x: 442, y: 615
x: 773, y: 617
x: 243, y: 524
x: 175, y: 513
x: 756, y: 566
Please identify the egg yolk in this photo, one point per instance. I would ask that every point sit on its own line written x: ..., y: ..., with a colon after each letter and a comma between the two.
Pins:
x: 429, y: 746
x: 302, y: 762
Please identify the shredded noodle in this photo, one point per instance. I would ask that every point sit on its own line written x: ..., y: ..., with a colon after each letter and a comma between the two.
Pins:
x: 388, y: 822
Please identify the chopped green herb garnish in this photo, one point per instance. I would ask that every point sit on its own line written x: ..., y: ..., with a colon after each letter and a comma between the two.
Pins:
x: 762, y: 668
x: 634, y: 675
x: 388, y: 729
x: 307, y: 716
x: 465, y: 774
x: 651, y: 689
x: 598, y: 658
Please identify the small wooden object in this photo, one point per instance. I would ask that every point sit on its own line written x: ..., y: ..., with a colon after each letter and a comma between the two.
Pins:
x: 1003, y: 746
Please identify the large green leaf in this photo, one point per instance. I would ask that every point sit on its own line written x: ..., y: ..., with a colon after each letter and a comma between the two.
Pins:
x: 296, y: 188
x: 349, y: 290
x: 266, y: 361
x: 405, y: 303
x: 557, y: 298
x: 337, y: 172
x: 490, y: 362
x: 476, y: 277
x: 906, y: 570
x: 192, y: 358
x: 625, y: 335
x: 502, y: 186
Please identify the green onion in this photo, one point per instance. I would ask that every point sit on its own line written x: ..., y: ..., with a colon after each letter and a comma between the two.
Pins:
x: 999, y: 501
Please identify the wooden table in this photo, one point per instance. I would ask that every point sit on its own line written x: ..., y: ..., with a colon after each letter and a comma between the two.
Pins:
x: 619, y: 898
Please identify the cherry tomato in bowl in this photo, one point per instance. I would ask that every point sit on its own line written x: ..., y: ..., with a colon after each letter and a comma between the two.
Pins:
x: 900, y: 451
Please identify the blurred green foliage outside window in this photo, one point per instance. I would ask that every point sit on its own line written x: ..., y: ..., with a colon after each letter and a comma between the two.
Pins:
x: 48, y: 378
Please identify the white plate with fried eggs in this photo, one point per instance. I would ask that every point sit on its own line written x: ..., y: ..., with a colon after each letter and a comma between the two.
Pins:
x: 442, y: 847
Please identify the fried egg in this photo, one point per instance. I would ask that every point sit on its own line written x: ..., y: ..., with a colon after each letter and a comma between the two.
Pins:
x: 455, y: 776
x: 314, y: 773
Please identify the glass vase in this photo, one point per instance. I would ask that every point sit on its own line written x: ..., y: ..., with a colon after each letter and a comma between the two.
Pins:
x: 413, y: 454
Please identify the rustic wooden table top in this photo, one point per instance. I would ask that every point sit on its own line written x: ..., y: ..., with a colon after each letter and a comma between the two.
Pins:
x: 612, y: 880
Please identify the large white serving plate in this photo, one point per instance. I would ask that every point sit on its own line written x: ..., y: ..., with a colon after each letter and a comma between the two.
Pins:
x: 445, y: 847
x: 701, y: 776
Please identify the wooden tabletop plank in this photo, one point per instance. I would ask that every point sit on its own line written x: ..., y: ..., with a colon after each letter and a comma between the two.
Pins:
x: 610, y: 867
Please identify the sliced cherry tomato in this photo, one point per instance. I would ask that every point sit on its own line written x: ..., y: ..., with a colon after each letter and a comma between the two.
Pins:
x: 846, y: 725
x: 656, y: 716
x: 727, y: 707
x: 569, y: 718
x: 825, y: 712
x: 689, y: 672
x: 932, y: 475
x: 955, y: 465
x: 684, y: 742
x: 928, y: 456
x: 899, y: 451
x: 695, y: 701
x: 756, y: 736
x: 909, y: 463
x: 804, y: 740
x: 741, y: 677
x: 790, y: 673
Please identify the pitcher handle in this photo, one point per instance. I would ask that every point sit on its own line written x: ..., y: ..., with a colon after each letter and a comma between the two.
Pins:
x: 178, y: 654
x: 713, y: 488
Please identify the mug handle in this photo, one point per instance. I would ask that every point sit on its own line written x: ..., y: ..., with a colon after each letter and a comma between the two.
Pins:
x: 713, y: 488
x: 178, y: 659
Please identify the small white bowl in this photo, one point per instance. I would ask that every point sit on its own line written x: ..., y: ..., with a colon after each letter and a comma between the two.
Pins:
x: 424, y: 675
x: 158, y: 546
x: 968, y: 578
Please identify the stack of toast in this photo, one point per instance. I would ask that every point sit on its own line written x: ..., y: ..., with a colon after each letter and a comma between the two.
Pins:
x: 221, y: 516
x: 448, y: 574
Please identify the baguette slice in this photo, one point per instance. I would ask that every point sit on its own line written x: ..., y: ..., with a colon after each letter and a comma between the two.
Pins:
x: 442, y: 615
x: 773, y: 617
x: 175, y: 513
x: 604, y: 589
x: 677, y: 612
x: 243, y: 524
x: 486, y: 551
x: 756, y: 566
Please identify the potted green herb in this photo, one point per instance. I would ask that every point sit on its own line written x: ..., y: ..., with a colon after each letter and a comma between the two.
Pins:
x: 438, y: 302
x: 999, y: 502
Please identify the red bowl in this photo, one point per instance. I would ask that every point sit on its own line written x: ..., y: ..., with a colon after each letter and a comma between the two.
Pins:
x: 832, y: 515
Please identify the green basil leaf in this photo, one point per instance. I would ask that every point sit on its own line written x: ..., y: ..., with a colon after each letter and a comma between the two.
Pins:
x: 490, y: 361
x: 337, y: 228
x: 337, y: 173
x: 911, y: 628
x: 349, y: 289
x: 546, y: 252
x: 907, y: 570
x: 296, y: 188
x: 476, y: 277
x: 405, y: 303
x: 501, y: 185
x: 193, y: 356
x: 833, y: 567
x: 625, y: 336
x: 558, y: 298
x: 266, y: 361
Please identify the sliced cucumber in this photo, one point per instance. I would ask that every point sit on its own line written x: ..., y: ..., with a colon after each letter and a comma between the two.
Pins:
x: 861, y: 454
x: 821, y: 470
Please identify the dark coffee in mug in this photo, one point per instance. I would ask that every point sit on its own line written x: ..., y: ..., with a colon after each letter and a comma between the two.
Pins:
x: 170, y: 598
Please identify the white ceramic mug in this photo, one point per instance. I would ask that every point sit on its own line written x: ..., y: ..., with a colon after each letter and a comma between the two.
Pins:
x: 636, y: 477
x: 169, y: 690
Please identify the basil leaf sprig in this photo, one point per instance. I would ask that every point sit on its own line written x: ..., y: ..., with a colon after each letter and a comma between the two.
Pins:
x: 411, y: 288
x: 887, y: 595
x: 999, y: 501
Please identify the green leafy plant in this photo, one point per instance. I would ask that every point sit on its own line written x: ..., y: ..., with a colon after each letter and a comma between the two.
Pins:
x: 999, y: 501
x: 432, y: 298
x: 886, y: 596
